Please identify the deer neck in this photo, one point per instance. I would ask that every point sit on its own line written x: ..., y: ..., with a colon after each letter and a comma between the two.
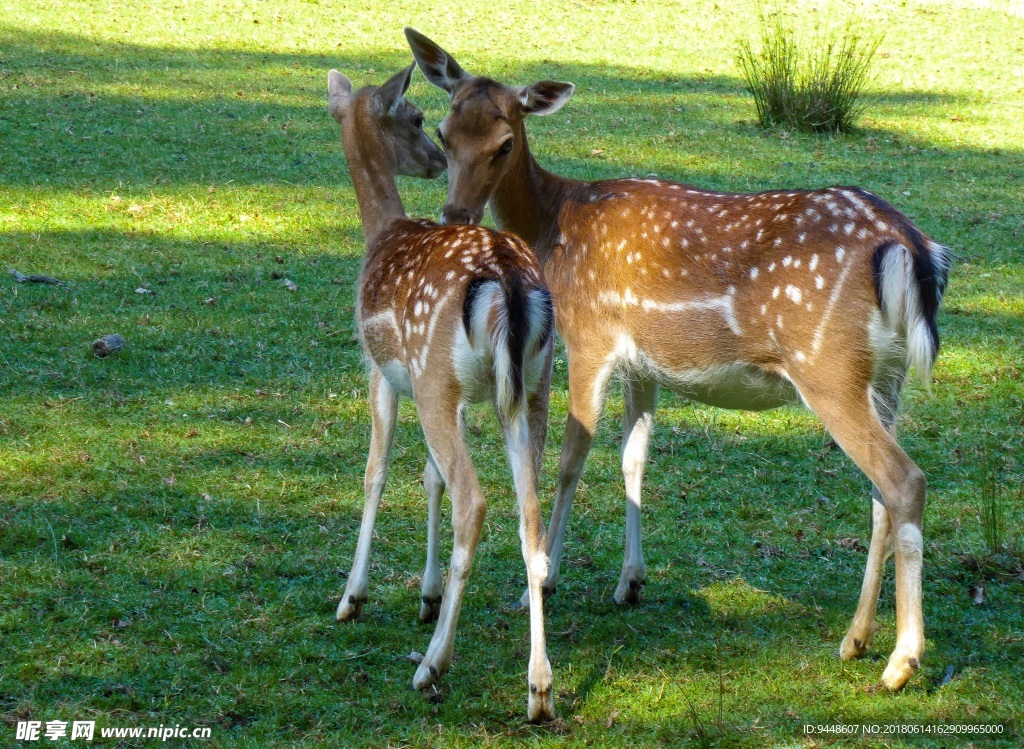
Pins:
x: 528, y: 200
x: 373, y: 176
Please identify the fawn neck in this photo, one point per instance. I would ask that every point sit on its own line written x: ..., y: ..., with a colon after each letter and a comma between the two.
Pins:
x: 373, y: 176
x: 527, y: 200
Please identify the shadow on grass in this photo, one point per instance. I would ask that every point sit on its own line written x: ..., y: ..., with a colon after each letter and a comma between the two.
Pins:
x: 143, y: 116
x: 218, y: 306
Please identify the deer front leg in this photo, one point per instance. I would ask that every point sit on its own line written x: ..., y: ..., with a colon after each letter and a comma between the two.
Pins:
x: 641, y: 398
x: 861, y: 631
x: 444, y: 438
x: 383, y: 410
x: 539, y: 403
x: 433, y: 483
x: 587, y: 384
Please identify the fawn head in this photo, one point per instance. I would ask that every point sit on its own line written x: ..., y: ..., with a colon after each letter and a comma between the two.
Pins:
x: 381, y: 117
x: 483, y: 133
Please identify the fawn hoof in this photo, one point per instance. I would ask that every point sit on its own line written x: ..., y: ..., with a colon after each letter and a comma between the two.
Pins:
x: 628, y: 592
x: 350, y: 608
x: 852, y: 647
x: 426, y: 676
x: 541, y: 707
x: 430, y: 609
x: 899, y: 670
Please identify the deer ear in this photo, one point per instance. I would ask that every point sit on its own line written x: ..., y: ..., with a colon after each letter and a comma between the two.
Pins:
x: 546, y: 97
x: 437, y: 65
x: 390, y: 94
x: 339, y: 91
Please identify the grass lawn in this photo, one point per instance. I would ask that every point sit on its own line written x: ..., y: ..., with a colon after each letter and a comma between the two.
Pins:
x: 176, y: 520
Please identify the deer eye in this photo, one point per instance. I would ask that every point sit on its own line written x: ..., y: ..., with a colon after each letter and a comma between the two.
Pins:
x: 441, y: 139
x: 418, y: 122
x: 505, y: 148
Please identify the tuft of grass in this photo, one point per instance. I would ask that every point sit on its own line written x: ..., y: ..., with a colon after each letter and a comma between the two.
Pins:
x: 993, y: 517
x: 820, y: 91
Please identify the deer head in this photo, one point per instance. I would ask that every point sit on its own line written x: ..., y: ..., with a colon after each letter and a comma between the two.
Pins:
x: 380, y: 117
x: 481, y: 142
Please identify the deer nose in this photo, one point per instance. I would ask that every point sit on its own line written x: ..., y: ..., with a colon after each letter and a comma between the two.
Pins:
x: 438, y: 163
x: 452, y: 216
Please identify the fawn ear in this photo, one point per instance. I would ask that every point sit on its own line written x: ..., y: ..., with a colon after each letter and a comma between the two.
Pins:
x: 339, y: 91
x: 546, y: 97
x: 390, y: 94
x: 437, y: 65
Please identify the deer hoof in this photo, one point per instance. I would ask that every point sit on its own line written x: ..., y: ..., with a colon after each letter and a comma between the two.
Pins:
x: 430, y: 609
x: 541, y: 707
x: 628, y: 593
x: 426, y: 676
x: 852, y: 648
x: 350, y: 608
x: 899, y: 670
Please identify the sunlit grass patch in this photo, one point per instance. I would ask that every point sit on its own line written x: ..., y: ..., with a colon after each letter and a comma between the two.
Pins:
x: 738, y: 598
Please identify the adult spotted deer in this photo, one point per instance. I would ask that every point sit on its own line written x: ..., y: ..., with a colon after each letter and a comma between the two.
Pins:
x: 739, y: 301
x: 448, y: 315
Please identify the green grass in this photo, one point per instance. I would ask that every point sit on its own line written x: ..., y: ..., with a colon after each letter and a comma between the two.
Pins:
x: 175, y: 520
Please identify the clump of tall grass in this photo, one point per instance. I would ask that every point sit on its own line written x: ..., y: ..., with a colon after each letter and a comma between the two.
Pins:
x: 819, y: 91
x: 993, y: 521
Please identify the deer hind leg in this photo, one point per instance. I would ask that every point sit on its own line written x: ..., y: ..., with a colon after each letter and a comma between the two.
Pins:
x: 443, y: 432
x: 641, y: 398
x: 383, y: 410
x: 521, y: 455
x: 587, y: 384
x: 854, y: 422
x: 862, y: 629
x: 433, y: 483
